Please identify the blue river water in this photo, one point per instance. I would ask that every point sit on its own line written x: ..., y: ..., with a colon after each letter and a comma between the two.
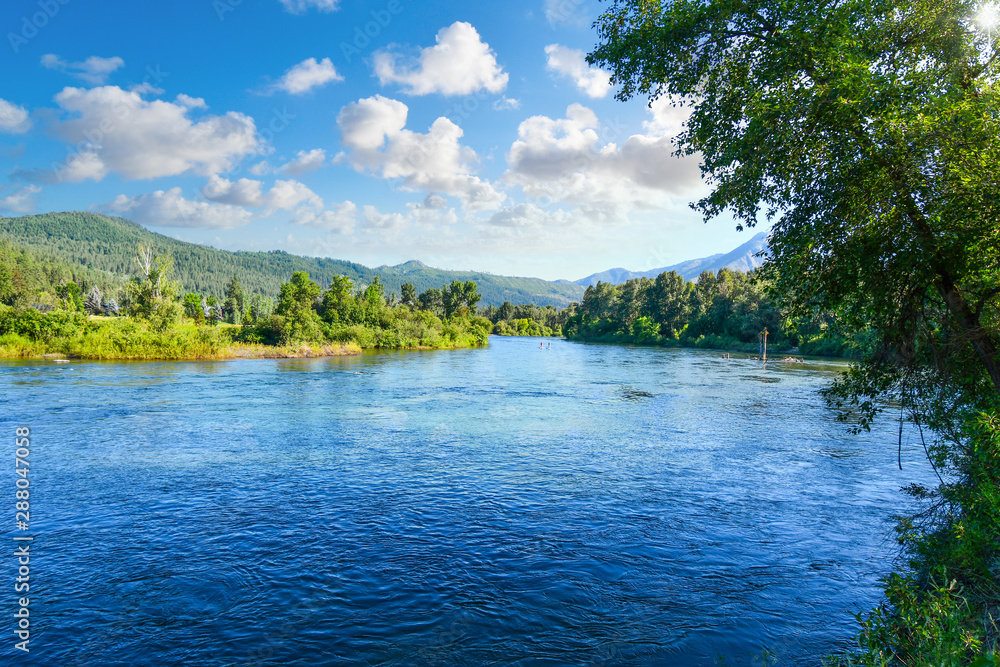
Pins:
x: 584, y: 504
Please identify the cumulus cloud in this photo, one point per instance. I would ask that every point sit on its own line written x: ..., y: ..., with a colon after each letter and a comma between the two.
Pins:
x: 572, y: 64
x: 189, y: 102
x: 432, y: 211
x: 567, y: 159
x: 244, y: 192
x: 383, y: 221
x: 460, y: 63
x: 302, y: 6
x: 170, y: 209
x: 13, y: 119
x: 286, y: 195
x: 94, y: 70
x: 116, y: 130
x: 305, y: 162
x: 307, y: 75
x: 373, y: 132
x: 667, y: 119
x: 339, y: 218
x: 283, y: 195
x: 528, y: 215
x: 20, y: 202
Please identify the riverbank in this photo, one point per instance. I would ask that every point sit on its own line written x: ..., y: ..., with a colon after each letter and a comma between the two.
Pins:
x: 21, y: 348
x: 720, y: 344
x: 65, y: 335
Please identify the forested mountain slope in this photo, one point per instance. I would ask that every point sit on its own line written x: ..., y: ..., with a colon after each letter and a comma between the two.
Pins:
x: 108, y: 244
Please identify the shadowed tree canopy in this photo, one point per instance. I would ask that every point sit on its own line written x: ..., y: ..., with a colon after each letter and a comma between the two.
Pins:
x: 868, y: 132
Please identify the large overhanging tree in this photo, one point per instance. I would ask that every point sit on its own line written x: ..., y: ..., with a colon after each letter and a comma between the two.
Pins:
x: 868, y: 131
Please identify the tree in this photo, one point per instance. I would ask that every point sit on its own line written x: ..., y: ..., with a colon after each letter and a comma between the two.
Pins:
x: 297, y: 295
x: 408, y: 295
x: 868, y: 132
x: 93, y: 301
x: 298, y: 320
x: 150, y: 293
x: 470, y: 295
x: 260, y: 308
x: 452, y: 297
x: 193, y: 307
x: 70, y: 294
x: 506, y: 311
x: 431, y: 300
x: 631, y: 301
x: 668, y: 302
x: 210, y: 307
x: 599, y: 301
x: 235, y: 302
x: 337, y: 300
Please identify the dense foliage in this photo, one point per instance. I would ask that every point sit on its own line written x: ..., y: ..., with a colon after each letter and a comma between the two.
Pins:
x: 526, y: 319
x: 107, y: 245
x: 159, y: 323
x: 727, y: 310
x: 869, y: 132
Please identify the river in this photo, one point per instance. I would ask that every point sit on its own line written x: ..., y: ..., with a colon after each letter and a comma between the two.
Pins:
x: 584, y: 504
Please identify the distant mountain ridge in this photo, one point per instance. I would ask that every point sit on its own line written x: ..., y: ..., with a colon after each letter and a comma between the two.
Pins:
x: 744, y: 258
x: 108, y: 244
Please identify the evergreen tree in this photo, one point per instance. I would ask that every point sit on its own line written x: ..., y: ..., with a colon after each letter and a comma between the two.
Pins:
x: 93, y: 302
x: 235, y: 301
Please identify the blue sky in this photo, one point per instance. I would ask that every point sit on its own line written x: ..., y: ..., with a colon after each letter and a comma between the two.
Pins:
x: 465, y: 135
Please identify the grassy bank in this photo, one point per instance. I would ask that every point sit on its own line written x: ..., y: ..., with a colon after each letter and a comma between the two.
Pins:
x: 26, y: 334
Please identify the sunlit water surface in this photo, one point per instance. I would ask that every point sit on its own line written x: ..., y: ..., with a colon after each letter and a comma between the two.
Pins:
x: 582, y: 504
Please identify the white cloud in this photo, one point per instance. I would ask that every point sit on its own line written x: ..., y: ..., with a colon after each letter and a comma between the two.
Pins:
x: 372, y: 130
x: 244, y: 192
x: 432, y: 202
x: 568, y: 160
x: 572, y: 64
x: 189, y: 102
x: 94, y: 70
x: 307, y: 75
x: 13, y: 119
x: 286, y: 195
x: 283, y: 195
x: 305, y: 162
x: 505, y: 103
x: 260, y: 168
x: 570, y: 12
x: 528, y: 215
x: 460, y: 63
x: 340, y: 218
x: 302, y: 6
x: 117, y: 130
x: 432, y: 211
x: 80, y: 167
x: 383, y: 221
x: 171, y: 209
x: 668, y: 120
x: 22, y: 201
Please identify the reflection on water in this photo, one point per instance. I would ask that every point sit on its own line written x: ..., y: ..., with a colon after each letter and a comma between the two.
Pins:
x: 583, y: 504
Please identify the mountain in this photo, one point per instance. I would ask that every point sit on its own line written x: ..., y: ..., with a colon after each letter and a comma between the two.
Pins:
x: 743, y: 258
x: 108, y: 245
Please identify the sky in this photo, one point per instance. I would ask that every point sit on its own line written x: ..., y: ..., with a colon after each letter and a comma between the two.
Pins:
x: 468, y: 136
